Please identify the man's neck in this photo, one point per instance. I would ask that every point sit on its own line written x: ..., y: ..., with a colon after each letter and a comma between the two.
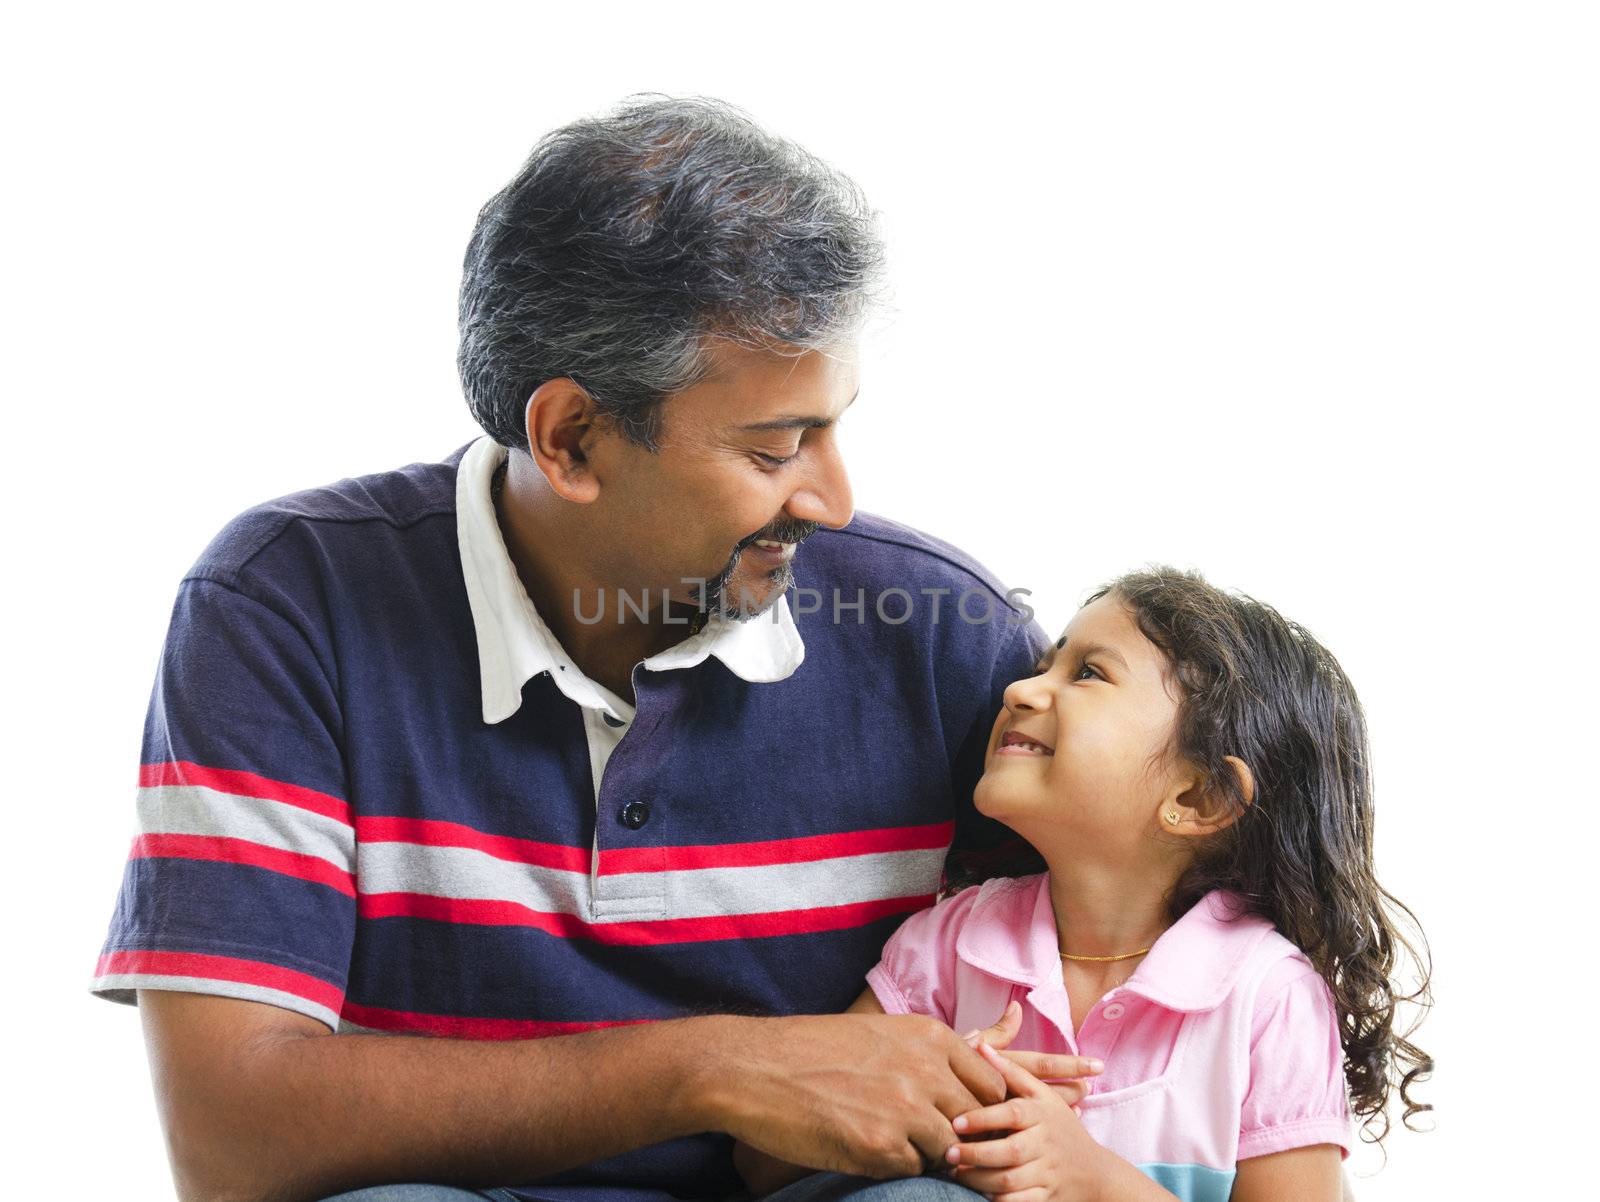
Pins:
x: 548, y: 556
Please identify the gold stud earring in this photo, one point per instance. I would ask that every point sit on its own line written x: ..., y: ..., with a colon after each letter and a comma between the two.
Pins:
x: 1173, y: 817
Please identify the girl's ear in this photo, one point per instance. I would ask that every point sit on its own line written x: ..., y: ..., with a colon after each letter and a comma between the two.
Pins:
x: 1247, y: 778
x: 1202, y: 811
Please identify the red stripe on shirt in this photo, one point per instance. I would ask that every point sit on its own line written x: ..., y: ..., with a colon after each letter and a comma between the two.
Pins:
x: 452, y: 1026
x: 226, y: 850
x: 489, y: 912
x: 431, y: 832
x: 803, y: 849
x: 243, y: 784
x: 221, y: 968
x: 428, y: 832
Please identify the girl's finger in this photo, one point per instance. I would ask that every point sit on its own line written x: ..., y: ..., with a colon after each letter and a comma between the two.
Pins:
x: 994, y: 1181
x: 982, y: 1180
x: 1003, y: 1116
x: 989, y: 1153
x: 1072, y: 1092
x: 1002, y: 1032
x: 1035, y: 1193
x: 1048, y: 1066
x: 1018, y: 1079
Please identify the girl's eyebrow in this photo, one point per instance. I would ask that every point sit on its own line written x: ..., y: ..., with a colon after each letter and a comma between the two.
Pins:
x: 1084, y: 652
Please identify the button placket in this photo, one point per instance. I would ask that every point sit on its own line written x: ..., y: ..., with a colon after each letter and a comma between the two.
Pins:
x: 1103, y: 1026
x: 626, y: 820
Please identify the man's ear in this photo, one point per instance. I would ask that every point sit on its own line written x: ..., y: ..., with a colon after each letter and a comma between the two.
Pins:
x: 1198, y: 810
x: 561, y: 425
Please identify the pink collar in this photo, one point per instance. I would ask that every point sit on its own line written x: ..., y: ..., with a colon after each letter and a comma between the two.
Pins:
x: 1010, y: 933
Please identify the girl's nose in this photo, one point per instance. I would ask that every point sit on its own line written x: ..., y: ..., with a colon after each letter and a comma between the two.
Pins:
x: 1028, y: 695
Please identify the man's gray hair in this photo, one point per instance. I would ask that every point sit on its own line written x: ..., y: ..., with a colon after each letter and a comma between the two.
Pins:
x: 627, y: 240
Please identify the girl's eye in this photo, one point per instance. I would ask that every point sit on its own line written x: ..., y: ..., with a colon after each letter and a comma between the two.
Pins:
x: 1094, y: 673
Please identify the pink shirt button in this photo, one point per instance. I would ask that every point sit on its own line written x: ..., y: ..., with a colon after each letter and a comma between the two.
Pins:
x: 1112, y: 1012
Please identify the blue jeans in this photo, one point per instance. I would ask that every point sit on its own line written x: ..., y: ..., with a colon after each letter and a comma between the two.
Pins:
x: 819, y: 1187
x: 832, y: 1187
x: 421, y: 1193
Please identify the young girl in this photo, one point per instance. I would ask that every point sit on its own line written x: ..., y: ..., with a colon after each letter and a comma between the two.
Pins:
x: 1201, y: 918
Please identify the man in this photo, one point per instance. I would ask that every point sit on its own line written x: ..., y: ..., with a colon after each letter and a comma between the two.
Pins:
x: 530, y: 742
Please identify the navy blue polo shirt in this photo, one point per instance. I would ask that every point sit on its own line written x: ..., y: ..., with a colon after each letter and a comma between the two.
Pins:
x: 330, y: 819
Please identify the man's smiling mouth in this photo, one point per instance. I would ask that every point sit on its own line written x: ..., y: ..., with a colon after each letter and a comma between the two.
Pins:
x: 774, y: 552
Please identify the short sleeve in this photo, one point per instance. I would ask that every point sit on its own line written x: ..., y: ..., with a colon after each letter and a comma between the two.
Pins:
x: 1297, y: 1094
x: 1014, y: 659
x: 240, y: 878
x: 917, y: 971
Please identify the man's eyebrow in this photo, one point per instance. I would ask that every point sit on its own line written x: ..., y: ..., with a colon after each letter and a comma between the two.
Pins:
x: 1084, y: 652
x: 798, y: 423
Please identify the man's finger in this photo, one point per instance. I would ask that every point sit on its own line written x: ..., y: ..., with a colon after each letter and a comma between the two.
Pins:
x: 983, y: 1083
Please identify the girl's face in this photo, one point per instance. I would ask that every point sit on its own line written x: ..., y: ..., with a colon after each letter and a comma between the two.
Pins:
x: 1082, y: 749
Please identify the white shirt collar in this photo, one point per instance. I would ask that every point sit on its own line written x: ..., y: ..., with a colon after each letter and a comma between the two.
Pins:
x: 514, y: 644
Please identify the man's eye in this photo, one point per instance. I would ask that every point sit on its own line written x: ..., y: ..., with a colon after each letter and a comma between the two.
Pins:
x: 773, y: 460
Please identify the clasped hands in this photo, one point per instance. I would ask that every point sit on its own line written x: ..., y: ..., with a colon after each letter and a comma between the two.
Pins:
x: 1032, y: 1147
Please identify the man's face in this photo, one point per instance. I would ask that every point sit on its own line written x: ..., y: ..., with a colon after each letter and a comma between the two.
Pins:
x: 747, y: 455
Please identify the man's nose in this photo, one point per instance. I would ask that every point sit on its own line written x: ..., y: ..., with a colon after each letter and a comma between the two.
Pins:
x: 824, y: 496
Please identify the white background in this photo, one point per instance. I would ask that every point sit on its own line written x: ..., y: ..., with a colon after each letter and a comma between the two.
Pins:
x: 1304, y: 296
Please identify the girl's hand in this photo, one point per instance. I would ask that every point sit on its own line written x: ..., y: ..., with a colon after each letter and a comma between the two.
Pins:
x: 1053, y: 1068
x: 1048, y: 1157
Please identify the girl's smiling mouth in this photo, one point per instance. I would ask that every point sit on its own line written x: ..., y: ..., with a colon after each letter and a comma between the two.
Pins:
x: 1016, y: 743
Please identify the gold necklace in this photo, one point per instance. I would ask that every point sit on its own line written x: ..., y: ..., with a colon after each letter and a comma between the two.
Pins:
x: 1107, y: 959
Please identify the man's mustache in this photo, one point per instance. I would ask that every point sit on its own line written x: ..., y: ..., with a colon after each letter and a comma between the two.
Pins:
x: 790, y: 533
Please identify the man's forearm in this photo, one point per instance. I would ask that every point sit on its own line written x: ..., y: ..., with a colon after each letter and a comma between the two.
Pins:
x: 314, y: 1115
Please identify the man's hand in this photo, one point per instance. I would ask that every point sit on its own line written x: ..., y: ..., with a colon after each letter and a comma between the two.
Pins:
x: 862, y: 1093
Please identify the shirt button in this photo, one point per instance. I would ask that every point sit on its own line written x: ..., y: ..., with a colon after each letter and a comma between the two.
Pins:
x: 1112, y: 1012
x: 614, y: 721
x: 635, y: 814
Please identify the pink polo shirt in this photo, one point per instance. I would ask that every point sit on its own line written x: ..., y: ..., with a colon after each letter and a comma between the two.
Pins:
x: 1222, y: 1045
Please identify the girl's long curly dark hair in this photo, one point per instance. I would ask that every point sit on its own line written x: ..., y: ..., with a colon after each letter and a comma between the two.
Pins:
x: 1257, y: 686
